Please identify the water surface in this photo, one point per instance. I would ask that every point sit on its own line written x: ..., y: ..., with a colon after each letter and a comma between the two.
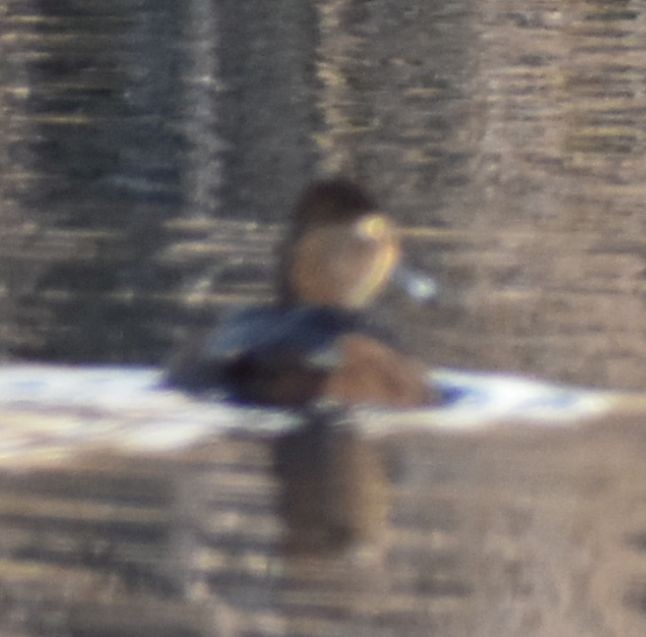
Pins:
x: 150, y: 153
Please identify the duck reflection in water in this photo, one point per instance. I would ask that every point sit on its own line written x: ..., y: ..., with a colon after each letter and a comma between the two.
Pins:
x: 317, y: 344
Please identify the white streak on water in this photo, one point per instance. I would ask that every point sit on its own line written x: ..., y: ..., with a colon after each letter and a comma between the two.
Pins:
x: 53, y: 409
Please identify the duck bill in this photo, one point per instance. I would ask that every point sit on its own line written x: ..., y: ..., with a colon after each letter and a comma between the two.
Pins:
x: 418, y: 286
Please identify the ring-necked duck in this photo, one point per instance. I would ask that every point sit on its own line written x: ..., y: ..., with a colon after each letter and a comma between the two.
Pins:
x: 316, y: 343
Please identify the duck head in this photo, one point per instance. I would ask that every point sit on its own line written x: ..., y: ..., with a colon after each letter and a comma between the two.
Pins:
x: 342, y: 251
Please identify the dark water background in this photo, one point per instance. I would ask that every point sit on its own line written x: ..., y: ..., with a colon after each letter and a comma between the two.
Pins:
x: 150, y: 149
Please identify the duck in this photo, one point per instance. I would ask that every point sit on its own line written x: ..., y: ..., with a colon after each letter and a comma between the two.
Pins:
x: 317, y: 343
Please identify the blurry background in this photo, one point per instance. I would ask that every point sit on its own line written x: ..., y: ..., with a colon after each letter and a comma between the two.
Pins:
x: 150, y: 151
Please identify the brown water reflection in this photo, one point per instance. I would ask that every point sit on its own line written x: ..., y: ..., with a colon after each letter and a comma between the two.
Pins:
x: 508, y: 534
x: 334, y: 487
x: 514, y: 531
x: 149, y: 153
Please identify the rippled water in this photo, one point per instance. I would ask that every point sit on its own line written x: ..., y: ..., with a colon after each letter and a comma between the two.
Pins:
x: 149, y: 153
x: 130, y: 511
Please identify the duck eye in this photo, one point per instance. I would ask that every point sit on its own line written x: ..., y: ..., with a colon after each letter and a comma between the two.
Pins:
x: 374, y: 227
